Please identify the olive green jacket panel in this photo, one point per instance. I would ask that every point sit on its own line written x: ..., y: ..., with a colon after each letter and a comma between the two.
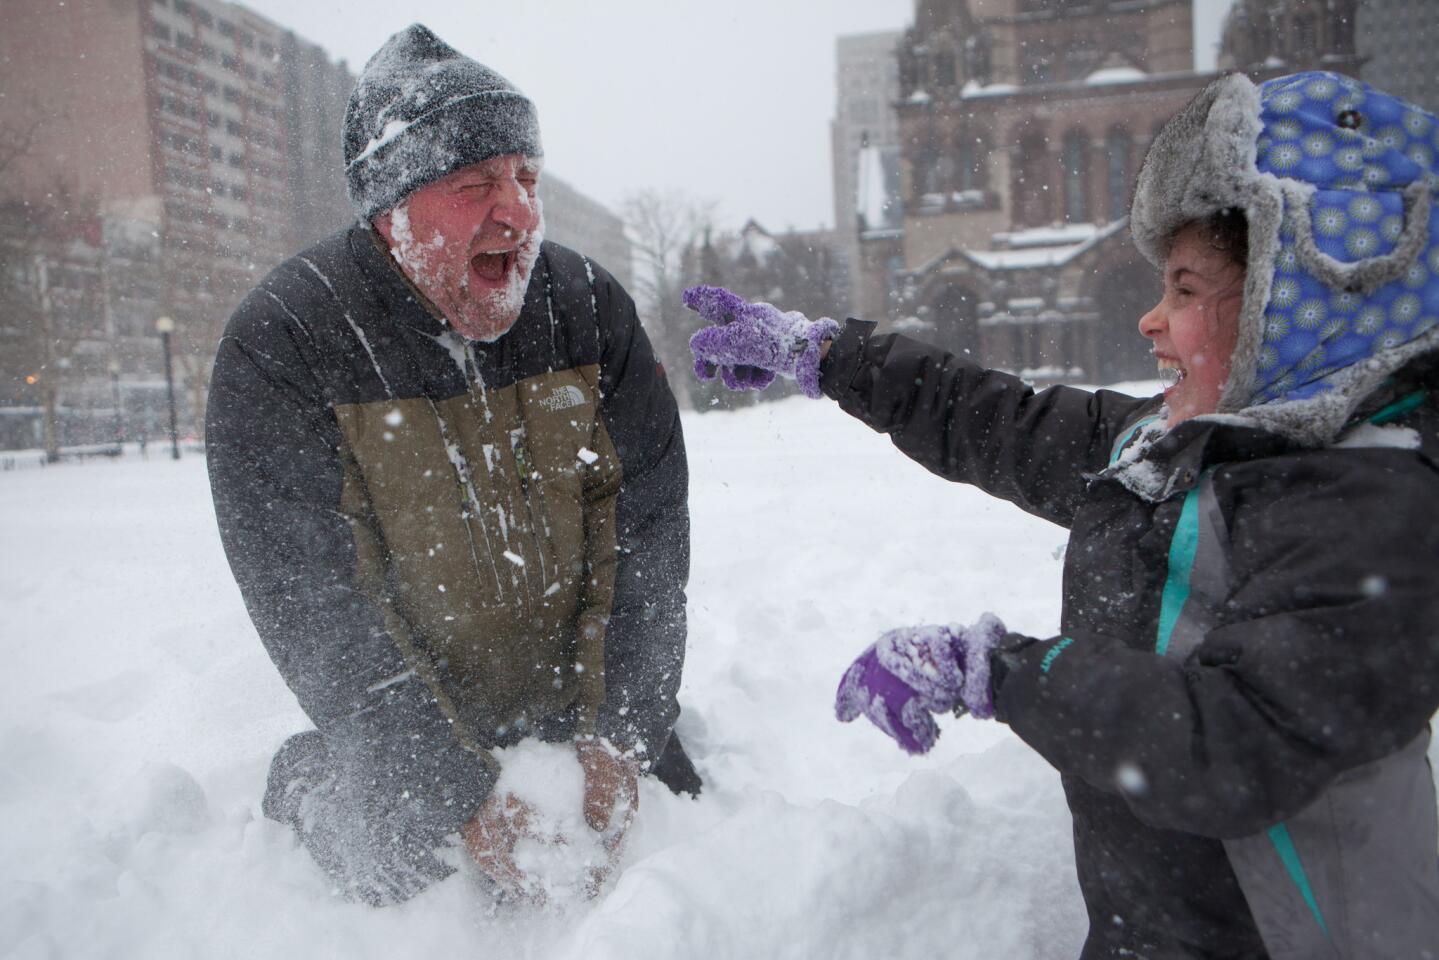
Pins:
x: 496, y: 515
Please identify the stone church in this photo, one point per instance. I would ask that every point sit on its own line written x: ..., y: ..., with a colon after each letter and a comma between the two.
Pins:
x: 1002, y: 230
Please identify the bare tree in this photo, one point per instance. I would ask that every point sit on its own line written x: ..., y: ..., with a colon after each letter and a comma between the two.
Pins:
x: 36, y: 348
x: 16, y: 138
x: 665, y: 229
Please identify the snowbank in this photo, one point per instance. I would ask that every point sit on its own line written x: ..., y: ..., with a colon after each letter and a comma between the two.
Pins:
x: 138, y: 714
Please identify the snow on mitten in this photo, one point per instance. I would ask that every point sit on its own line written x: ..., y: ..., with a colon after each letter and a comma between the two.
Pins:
x: 913, y: 672
x: 748, y: 344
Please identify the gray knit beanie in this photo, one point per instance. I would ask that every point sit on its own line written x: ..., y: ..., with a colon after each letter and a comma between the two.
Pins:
x: 422, y: 110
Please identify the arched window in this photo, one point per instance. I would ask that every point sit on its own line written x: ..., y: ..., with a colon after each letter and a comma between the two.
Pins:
x: 923, y: 174
x: 943, y: 174
x: 1030, y: 192
x: 1306, y: 39
x: 972, y: 163
x: 945, y: 73
x: 1076, y: 176
x: 1037, y: 61
x: 1118, y: 148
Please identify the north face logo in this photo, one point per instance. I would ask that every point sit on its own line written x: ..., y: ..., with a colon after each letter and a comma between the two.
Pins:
x: 564, y: 398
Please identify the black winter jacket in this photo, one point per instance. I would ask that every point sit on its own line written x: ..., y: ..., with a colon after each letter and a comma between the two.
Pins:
x: 1315, y: 652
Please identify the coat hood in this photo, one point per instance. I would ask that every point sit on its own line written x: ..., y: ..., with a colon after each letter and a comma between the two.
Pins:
x: 1342, y: 287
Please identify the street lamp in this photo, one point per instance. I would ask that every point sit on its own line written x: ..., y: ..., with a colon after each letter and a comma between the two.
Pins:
x: 115, y: 400
x: 165, y: 326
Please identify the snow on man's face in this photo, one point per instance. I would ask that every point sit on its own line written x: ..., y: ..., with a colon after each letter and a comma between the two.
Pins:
x: 468, y: 242
x: 1195, y: 325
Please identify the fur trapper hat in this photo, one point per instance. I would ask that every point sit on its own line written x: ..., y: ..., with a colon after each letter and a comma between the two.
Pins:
x: 1335, y: 180
x: 420, y: 111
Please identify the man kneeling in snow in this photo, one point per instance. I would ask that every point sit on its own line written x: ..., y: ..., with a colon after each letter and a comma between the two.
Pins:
x: 451, y: 485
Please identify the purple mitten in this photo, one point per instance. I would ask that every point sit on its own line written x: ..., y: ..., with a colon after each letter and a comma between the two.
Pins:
x: 749, y: 343
x: 912, y: 672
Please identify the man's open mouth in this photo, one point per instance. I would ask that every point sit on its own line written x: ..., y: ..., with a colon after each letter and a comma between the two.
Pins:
x: 493, y: 267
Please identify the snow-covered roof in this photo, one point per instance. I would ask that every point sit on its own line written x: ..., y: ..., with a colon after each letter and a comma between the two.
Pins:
x: 974, y: 89
x: 1106, y: 75
x: 1019, y: 259
x: 758, y: 242
x: 1039, y: 247
x: 1046, y: 236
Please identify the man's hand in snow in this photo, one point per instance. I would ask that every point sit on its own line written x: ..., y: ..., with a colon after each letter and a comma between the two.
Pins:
x: 749, y: 343
x: 911, y: 672
x: 611, y: 797
x: 490, y: 838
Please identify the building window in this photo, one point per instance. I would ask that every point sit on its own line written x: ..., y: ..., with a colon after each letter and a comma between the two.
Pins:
x: 971, y: 159
x: 1076, y: 176
x: 944, y: 70
x: 1306, y: 43
x: 1038, y: 61
x: 1117, y: 150
x: 1030, y: 193
x: 1081, y: 58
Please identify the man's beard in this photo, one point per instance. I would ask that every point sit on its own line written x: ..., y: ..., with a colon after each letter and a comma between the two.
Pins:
x: 484, y: 315
x: 489, y: 314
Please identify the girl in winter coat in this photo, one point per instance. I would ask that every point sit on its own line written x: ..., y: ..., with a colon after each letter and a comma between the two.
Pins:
x: 1240, y: 695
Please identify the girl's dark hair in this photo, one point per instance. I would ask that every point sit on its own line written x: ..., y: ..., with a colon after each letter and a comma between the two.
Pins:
x: 1226, y: 231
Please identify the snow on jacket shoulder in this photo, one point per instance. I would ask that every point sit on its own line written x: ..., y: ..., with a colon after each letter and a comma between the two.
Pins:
x: 445, y: 545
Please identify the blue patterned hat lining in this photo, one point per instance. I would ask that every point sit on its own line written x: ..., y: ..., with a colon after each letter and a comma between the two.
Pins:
x: 1351, y: 151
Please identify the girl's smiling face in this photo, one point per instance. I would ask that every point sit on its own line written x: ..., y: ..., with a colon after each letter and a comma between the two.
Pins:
x: 1195, y: 325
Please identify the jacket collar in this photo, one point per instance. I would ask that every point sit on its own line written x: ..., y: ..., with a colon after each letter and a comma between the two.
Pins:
x: 1172, y: 462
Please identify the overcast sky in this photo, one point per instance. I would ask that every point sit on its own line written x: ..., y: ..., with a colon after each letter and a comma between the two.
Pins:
x: 726, y: 101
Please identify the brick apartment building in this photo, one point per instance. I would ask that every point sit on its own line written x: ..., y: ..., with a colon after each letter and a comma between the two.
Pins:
x: 157, y: 159
x: 175, y: 150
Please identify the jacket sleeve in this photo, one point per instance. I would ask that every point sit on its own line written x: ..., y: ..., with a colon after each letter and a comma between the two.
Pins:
x: 277, y: 464
x: 645, y: 638
x: 977, y: 426
x: 1326, y: 660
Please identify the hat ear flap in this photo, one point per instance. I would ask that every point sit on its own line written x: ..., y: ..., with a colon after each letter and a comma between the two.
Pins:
x: 1369, y: 273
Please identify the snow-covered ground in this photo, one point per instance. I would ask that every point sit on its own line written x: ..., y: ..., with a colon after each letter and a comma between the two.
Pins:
x: 138, y: 714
